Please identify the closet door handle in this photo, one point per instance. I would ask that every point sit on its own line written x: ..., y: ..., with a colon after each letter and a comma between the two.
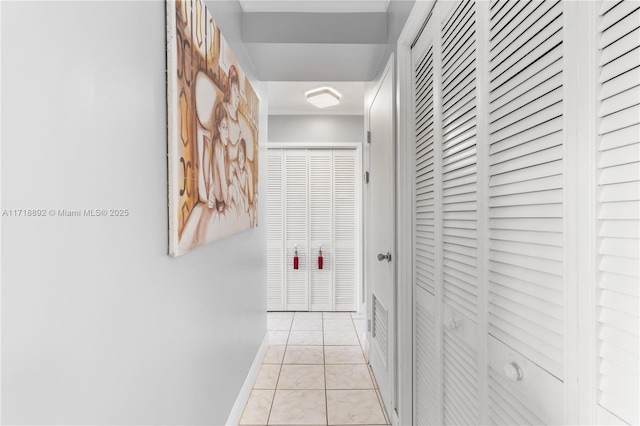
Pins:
x: 513, y: 371
x: 382, y: 257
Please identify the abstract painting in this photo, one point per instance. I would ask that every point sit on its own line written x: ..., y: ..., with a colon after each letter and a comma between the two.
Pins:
x: 212, y: 132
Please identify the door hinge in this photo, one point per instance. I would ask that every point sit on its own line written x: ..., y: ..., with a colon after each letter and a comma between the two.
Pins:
x: 368, y: 136
x: 368, y: 325
x: 366, y: 177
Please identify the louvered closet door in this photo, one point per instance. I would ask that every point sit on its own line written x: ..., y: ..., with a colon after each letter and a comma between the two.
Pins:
x: 425, y: 364
x: 296, y: 220
x: 321, y: 229
x: 459, y: 216
x: 275, y: 228
x: 618, y: 212
x: 526, y: 289
x: 345, y: 236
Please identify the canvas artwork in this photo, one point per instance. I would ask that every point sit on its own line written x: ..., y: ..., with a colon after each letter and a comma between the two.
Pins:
x: 213, y: 132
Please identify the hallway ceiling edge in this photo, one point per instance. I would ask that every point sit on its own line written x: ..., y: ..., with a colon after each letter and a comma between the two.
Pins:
x: 312, y: 40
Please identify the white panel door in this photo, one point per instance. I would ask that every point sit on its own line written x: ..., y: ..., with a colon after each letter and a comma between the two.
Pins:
x: 382, y: 227
x: 296, y: 220
x: 321, y: 199
x: 526, y: 219
x: 619, y: 213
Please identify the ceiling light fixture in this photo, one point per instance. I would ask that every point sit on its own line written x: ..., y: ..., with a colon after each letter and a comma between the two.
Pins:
x: 323, y: 97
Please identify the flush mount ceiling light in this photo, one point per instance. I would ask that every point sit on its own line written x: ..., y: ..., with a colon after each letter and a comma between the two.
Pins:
x: 323, y: 97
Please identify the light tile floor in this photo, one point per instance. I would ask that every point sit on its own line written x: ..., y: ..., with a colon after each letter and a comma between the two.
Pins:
x: 315, y: 373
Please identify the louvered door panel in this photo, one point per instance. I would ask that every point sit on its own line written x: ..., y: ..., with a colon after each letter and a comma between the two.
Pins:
x: 320, y: 228
x: 296, y: 229
x: 275, y: 235
x: 345, y: 226
x: 619, y: 212
x: 459, y: 178
x: 526, y: 289
x: 460, y: 360
x: 426, y: 366
x: 424, y: 178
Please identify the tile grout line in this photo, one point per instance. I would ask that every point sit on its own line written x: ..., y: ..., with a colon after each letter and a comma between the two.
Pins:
x: 286, y: 344
x: 324, y: 368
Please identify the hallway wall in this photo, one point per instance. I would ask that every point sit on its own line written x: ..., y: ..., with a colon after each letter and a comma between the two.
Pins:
x: 316, y: 128
x: 99, y: 325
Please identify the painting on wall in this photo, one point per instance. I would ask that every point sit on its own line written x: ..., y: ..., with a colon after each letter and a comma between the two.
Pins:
x: 212, y: 130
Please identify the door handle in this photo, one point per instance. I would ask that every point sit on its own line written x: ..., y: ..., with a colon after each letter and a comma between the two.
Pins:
x: 382, y: 257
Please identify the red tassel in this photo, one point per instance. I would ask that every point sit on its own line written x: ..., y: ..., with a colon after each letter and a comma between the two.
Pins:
x: 295, y: 260
x: 320, y: 260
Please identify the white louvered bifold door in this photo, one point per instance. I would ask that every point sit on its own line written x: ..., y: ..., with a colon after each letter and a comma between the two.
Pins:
x: 312, y: 201
x: 275, y: 228
x: 345, y: 222
x: 526, y: 286
x: 321, y: 229
x: 459, y: 216
x: 425, y: 364
x: 296, y: 220
x: 618, y: 163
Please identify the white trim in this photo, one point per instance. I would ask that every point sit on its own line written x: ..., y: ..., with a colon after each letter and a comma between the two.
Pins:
x: 289, y: 6
x: 587, y: 218
x: 314, y: 145
x: 482, y: 200
x: 437, y: 211
x: 285, y: 111
x: 0, y: 222
x: 245, y: 390
x: 571, y: 150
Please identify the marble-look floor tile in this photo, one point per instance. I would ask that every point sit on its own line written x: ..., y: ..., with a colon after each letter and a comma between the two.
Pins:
x: 338, y: 325
x: 258, y: 407
x: 299, y: 407
x: 274, y: 354
x: 343, y: 355
x: 279, y: 315
x: 340, y: 337
x: 347, y: 376
x: 307, y: 315
x: 274, y: 324
x: 278, y: 337
x: 301, y: 377
x: 267, y: 376
x: 307, y: 324
x: 304, y: 355
x: 351, y: 407
x: 305, y: 338
x: 336, y: 315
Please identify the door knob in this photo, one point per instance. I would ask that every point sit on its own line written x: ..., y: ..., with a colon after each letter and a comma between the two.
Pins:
x: 382, y: 257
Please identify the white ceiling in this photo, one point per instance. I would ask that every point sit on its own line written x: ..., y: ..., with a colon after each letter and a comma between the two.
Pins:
x: 288, y: 98
x: 299, y: 45
x: 315, y: 6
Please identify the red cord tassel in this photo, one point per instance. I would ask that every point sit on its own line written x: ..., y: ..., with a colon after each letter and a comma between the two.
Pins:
x: 295, y: 260
x: 320, y: 260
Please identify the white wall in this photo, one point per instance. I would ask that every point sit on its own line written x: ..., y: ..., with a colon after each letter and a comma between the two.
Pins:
x: 99, y: 325
x: 316, y: 128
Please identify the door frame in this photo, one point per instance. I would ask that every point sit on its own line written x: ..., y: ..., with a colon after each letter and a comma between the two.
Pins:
x: 357, y: 146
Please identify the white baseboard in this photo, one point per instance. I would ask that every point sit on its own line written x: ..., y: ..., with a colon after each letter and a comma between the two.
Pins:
x: 245, y: 391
